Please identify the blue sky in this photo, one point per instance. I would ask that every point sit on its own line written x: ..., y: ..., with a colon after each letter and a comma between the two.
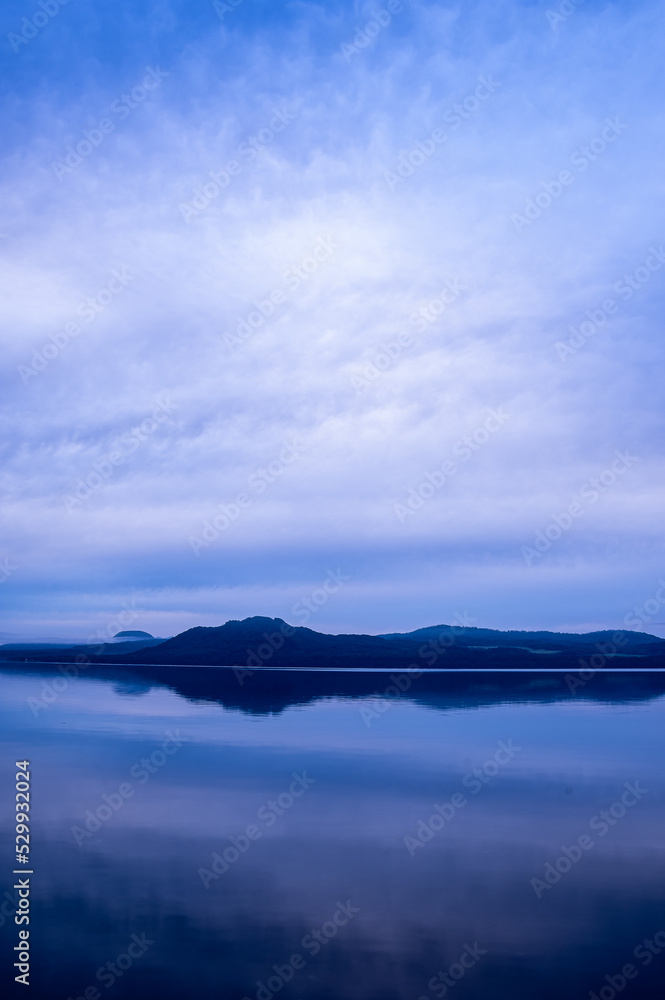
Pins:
x: 295, y: 289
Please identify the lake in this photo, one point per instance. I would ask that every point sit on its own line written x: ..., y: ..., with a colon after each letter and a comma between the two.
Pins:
x: 322, y: 837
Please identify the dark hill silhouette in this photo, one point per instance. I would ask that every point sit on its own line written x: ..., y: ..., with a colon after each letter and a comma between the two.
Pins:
x: 479, y: 638
x: 258, y: 641
x: 270, y: 642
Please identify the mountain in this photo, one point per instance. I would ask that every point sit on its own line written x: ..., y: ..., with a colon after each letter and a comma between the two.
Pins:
x: 257, y: 642
x: 133, y: 634
x: 270, y: 642
x: 486, y: 638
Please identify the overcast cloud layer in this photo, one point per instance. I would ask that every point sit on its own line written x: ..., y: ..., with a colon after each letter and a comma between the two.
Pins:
x: 249, y: 236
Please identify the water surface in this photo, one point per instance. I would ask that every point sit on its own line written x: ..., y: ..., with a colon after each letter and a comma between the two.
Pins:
x: 282, y: 838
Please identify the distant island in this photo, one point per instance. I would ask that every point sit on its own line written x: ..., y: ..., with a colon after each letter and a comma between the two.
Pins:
x: 133, y: 635
x: 258, y: 642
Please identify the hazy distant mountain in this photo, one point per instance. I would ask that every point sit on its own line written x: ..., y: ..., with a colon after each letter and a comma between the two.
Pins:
x: 134, y: 634
x: 112, y: 646
x: 270, y: 642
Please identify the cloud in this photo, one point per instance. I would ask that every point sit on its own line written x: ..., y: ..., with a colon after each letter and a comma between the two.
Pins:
x: 173, y: 329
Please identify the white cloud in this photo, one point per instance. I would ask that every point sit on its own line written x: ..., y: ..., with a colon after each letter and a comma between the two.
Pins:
x: 323, y: 177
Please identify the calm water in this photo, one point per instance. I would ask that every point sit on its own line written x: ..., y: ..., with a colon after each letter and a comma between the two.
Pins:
x: 285, y: 842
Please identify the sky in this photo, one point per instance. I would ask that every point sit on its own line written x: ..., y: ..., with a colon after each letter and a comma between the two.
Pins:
x: 349, y: 314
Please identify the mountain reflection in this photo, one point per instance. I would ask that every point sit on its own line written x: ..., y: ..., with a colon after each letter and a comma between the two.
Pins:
x: 267, y: 855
